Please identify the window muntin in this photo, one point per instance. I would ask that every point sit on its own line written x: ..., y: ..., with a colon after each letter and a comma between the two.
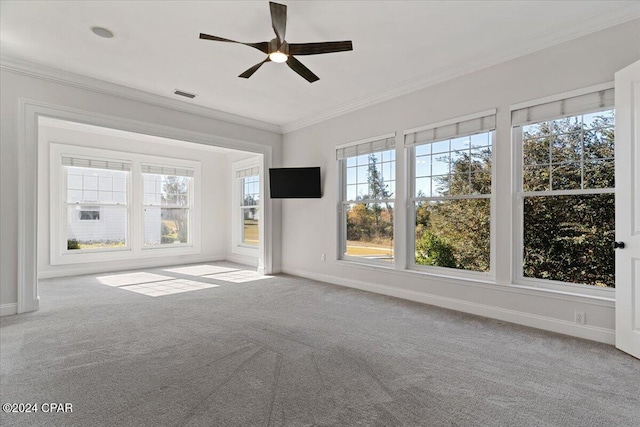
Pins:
x: 97, y: 209
x: 567, y: 196
x: 572, y: 153
x: 167, y: 204
x: 368, y: 205
x: 452, y: 187
x: 249, y: 210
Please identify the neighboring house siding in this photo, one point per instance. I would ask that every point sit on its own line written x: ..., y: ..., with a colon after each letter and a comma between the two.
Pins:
x: 110, y: 227
x: 152, y: 225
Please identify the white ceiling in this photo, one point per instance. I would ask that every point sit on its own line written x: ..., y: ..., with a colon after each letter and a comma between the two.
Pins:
x: 399, y: 46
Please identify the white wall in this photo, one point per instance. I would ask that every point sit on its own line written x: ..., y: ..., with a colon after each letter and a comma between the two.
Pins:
x: 214, y: 183
x: 86, y: 95
x: 576, y: 64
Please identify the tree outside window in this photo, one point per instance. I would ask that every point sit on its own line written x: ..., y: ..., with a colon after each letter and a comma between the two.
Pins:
x: 369, y: 206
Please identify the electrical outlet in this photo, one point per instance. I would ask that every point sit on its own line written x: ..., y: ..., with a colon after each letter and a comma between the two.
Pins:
x: 323, y: 257
x: 580, y: 317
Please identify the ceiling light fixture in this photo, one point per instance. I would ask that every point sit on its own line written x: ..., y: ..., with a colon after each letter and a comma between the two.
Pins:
x: 102, y: 32
x: 279, y: 50
x: 278, y: 56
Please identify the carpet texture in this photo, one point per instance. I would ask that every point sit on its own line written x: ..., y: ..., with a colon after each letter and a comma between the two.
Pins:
x: 216, y: 345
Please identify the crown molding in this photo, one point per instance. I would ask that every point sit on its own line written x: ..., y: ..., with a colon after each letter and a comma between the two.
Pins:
x: 44, y: 72
x: 570, y: 31
x: 573, y: 30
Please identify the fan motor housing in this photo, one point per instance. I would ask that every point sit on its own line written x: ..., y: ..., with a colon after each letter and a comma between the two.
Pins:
x: 273, y: 46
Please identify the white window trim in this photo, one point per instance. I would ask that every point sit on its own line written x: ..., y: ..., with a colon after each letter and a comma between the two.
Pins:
x: 169, y: 163
x: 411, y: 223
x: 59, y: 255
x: 519, y: 280
x: 237, y: 247
x: 342, y: 202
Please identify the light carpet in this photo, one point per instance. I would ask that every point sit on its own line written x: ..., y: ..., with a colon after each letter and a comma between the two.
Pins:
x: 218, y: 345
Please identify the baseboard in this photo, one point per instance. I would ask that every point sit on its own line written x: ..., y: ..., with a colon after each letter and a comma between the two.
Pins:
x: 8, y: 309
x: 593, y: 333
x: 242, y: 259
x: 77, y: 270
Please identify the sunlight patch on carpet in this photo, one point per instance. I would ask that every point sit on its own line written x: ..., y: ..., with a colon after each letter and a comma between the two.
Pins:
x: 168, y: 287
x: 238, y: 276
x: 200, y: 270
x: 126, y: 279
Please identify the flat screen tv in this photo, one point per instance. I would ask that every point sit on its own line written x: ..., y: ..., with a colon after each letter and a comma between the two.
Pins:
x: 295, y: 183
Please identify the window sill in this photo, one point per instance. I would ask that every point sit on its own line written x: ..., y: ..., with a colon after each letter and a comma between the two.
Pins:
x: 488, y: 283
x: 247, y: 251
x: 603, y: 294
x: 251, y: 247
x: 356, y: 262
x: 119, y: 255
x: 166, y: 246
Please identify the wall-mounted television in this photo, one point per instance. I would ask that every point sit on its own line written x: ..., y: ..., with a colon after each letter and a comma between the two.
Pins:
x: 295, y: 183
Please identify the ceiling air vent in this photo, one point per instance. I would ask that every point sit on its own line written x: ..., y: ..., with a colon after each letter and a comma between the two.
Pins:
x: 183, y: 93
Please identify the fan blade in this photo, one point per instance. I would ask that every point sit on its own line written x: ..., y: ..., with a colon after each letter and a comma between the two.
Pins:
x: 297, y: 66
x: 261, y: 46
x: 278, y: 20
x: 253, y: 69
x: 317, y: 48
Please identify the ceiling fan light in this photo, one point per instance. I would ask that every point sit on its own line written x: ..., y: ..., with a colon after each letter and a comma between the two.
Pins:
x: 278, y: 56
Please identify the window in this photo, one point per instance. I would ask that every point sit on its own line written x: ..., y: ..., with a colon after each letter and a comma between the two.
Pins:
x: 367, y: 202
x: 167, y: 203
x: 96, y: 203
x: 246, y: 207
x: 451, y: 193
x: 566, y: 190
x: 89, y: 213
x: 108, y: 210
x: 249, y: 206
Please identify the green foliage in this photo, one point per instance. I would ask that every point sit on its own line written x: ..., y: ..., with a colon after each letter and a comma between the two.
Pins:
x: 167, y: 239
x: 464, y: 224
x: 166, y: 234
x: 175, y: 191
x: 377, y: 188
x: 360, y: 221
x: 568, y: 238
x: 73, y: 244
x: 372, y: 222
x: 432, y: 250
x: 164, y: 229
x: 465, y: 227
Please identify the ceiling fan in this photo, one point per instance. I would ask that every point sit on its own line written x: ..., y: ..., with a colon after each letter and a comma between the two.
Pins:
x: 278, y: 50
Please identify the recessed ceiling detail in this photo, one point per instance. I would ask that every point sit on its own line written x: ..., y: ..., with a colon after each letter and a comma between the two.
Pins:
x: 102, y: 32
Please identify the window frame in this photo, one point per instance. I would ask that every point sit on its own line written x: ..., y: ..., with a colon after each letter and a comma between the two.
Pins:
x: 519, y: 195
x: 343, y: 203
x: 244, y: 207
x: 60, y: 255
x: 237, y: 208
x: 412, y: 199
x: 163, y: 246
x: 61, y: 250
